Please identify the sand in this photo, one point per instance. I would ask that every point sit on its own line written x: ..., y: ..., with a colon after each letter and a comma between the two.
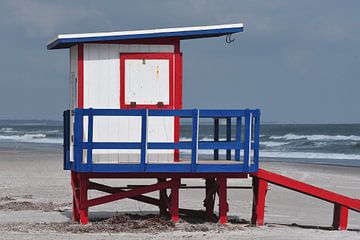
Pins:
x: 35, y: 203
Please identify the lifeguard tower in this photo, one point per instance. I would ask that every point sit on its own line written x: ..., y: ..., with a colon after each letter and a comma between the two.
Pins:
x: 124, y: 122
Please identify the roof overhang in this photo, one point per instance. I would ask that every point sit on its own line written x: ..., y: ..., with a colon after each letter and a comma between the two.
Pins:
x: 182, y: 33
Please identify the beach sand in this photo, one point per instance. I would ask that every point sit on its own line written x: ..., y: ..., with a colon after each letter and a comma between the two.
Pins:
x: 35, y: 203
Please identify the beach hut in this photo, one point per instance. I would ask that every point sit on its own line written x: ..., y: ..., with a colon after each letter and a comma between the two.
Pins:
x: 124, y: 122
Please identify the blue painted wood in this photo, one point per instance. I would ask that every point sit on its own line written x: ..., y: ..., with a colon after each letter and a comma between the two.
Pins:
x: 66, y: 138
x: 90, y: 138
x: 256, y: 141
x: 216, y: 137
x: 177, y: 145
x: 113, y: 145
x: 228, y: 137
x: 78, y: 137
x: 218, y: 145
x: 238, y: 138
x: 143, y: 152
x: 247, y: 141
x: 195, y: 139
x: 165, y: 167
x: 194, y: 145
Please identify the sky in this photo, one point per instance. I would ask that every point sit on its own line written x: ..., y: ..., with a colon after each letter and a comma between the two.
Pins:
x: 298, y: 61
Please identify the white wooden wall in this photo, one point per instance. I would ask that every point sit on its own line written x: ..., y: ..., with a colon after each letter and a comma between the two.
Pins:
x: 102, y: 90
x: 73, y: 93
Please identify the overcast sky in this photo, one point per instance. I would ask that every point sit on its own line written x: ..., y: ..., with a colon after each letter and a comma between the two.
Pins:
x: 298, y: 61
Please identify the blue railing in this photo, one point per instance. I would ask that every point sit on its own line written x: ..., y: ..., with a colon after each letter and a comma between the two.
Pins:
x: 246, y: 139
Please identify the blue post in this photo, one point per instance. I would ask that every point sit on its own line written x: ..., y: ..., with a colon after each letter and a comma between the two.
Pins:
x: 238, y: 138
x: 195, y: 139
x: 78, y: 139
x: 66, y: 136
x: 143, y: 153
x: 247, y: 141
x: 90, y: 138
x: 256, y: 140
x: 216, y: 137
x: 228, y: 137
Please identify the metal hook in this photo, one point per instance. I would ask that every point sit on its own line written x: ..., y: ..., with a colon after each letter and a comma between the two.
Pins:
x: 229, y: 39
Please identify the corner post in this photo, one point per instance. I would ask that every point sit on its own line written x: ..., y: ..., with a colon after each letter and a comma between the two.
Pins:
x: 84, y: 182
x: 340, y: 218
x: 174, y: 200
x: 260, y: 188
x: 163, y: 199
x: 223, y: 205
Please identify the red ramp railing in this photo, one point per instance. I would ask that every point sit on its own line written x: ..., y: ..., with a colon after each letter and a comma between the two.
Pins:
x: 342, y: 203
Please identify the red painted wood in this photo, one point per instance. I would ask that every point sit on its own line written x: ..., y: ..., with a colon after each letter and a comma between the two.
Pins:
x: 163, y: 199
x: 74, y: 185
x: 126, y: 56
x: 83, y: 209
x: 209, y: 202
x: 178, y: 97
x: 260, y: 188
x: 174, y: 200
x: 80, y: 75
x: 128, y: 194
x: 340, y: 219
x: 308, y: 189
x: 108, y: 189
x: 223, y: 205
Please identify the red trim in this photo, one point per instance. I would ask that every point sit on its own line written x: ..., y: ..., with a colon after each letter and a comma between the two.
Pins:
x: 178, y: 97
x: 80, y: 75
x: 125, y: 56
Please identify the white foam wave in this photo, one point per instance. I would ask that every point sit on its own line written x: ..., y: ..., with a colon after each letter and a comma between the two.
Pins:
x: 6, y: 130
x: 309, y: 155
x: 31, y: 138
x: 273, y: 144
x: 298, y: 155
x: 317, y: 137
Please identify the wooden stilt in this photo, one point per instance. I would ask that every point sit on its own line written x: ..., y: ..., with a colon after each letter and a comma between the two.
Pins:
x: 83, y: 183
x: 223, y: 205
x: 340, y: 218
x: 174, y: 200
x: 163, y: 199
x: 260, y: 187
x: 209, y: 202
x: 75, y: 188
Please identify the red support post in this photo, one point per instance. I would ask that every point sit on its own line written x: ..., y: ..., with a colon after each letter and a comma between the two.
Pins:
x: 174, y: 200
x: 260, y: 188
x: 223, y: 205
x: 83, y: 183
x: 75, y: 188
x: 210, y: 193
x: 340, y: 218
x: 163, y: 199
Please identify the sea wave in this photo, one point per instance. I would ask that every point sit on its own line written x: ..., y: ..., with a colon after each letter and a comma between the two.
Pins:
x: 297, y: 155
x: 31, y: 138
x: 317, y: 137
x: 6, y: 130
x: 309, y: 155
x: 273, y: 144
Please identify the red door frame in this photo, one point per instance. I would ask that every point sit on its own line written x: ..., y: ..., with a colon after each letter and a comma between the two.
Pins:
x: 151, y: 56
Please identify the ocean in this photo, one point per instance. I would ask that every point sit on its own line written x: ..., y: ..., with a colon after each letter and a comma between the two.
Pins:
x: 336, y: 144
